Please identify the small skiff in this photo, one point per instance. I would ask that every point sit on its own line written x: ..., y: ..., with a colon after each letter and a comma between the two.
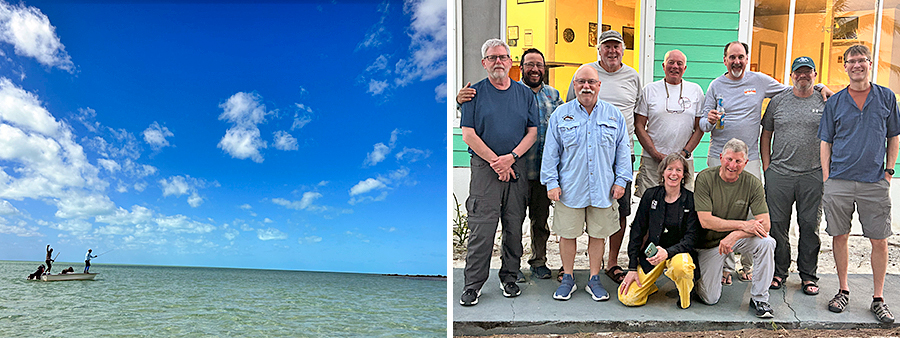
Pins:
x: 68, y: 276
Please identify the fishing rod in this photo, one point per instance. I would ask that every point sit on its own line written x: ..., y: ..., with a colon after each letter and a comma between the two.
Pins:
x: 105, y: 253
x: 57, y: 255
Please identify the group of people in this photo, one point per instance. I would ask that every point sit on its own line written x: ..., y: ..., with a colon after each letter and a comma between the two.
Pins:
x: 578, y: 156
x: 49, y: 264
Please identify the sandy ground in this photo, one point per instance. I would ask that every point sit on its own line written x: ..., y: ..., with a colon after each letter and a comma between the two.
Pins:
x: 860, y: 249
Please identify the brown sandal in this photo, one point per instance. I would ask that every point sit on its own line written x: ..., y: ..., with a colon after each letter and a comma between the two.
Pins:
x: 616, y: 273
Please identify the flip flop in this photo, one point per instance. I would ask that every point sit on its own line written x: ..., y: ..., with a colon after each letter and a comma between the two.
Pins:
x: 617, y: 277
x: 777, y: 283
x: 806, y: 288
x: 726, y: 279
x: 745, y: 276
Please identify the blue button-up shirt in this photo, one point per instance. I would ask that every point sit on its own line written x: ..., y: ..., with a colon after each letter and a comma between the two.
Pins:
x: 547, y: 100
x: 585, y: 155
x: 858, y: 136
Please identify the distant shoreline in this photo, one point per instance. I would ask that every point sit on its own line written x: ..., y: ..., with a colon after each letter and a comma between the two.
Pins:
x: 423, y: 277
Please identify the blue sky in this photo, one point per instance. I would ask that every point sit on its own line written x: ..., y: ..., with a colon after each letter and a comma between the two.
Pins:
x: 284, y: 135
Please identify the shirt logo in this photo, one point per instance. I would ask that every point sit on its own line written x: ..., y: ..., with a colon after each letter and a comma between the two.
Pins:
x: 568, y: 118
x: 750, y: 91
x: 653, y: 205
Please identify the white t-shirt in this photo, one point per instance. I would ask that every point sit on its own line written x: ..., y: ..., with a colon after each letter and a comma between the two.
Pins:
x: 670, y: 131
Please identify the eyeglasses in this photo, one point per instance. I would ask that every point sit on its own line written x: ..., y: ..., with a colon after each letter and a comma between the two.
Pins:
x: 856, y: 61
x: 493, y: 58
x: 588, y: 81
x: 533, y: 65
x: 683, y: 103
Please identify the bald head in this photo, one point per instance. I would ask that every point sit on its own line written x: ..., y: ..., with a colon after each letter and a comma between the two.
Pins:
x: 586, y: 85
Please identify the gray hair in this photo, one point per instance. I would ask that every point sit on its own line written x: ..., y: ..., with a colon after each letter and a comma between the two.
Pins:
x: 493, y: 43
x: 736, y: 146
x: 669, y: 159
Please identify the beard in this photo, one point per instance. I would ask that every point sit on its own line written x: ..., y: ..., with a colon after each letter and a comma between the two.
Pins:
x: 736, y: 72
x: 527, y: 80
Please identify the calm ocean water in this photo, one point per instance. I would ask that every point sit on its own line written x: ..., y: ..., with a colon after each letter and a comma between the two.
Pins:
x: 151, y: 301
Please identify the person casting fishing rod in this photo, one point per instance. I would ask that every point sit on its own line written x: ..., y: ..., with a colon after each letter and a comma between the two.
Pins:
x: 49, y: 259
x: 87, y: 261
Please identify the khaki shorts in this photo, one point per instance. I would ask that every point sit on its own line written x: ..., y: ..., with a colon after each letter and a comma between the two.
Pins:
x: 872, y: 202
x: 570, y: 223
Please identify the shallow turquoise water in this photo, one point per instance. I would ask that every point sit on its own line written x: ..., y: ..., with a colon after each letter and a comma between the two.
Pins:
x: 150, y: 301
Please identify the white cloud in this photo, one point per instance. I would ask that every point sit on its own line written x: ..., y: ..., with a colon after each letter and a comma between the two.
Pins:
x: 23, y: 110
x: 138, y: 215
x: 246, y: 207
x: 377, y: 155
x: 184, y: 185
x: 267, y: 220
x: 195, y: 200
x: 377, y: 34
x: 440, y: 92
x: 284, y: 141
x: 366, y: 186
x: 380, y: 63
x: 230, y: 234
x: 242, y: 140
x: 360, y: 199
x: 155, y: 135
x: 175, y: 185
x: 77, y: 205
x: 270, y: 234
x: 428, y: 48
x: 305, y: 203
x: 243, y: 144
x: 309, y: 240
x: 412, y: 154
x: 377, y: 87
x: 76, y: 227
x: 110, y: 165
x: 302, y: 116
x: 391, y: 229
x: 20, y: 231
x: 32, y: 35
x: 181, y: 224
x: 7, y: 208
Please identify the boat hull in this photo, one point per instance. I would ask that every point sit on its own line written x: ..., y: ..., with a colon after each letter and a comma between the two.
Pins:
x: 68, y: 276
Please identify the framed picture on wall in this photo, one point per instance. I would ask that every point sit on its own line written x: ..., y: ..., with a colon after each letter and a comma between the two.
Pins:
x: 628, y: 36
x: 604, y: 28
x: 592, y: 34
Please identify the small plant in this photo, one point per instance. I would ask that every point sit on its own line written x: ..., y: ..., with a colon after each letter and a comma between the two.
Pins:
x: 460, y: 225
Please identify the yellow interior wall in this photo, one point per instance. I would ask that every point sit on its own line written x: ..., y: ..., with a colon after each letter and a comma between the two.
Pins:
x: 575, y: 15
x: 528, y: 16
x: 772, y: 37
x: 617, y: 16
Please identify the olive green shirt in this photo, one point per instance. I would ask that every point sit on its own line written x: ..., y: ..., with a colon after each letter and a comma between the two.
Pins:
x: 728, y: 201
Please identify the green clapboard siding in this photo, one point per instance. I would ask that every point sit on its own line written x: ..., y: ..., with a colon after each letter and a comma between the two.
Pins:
x: 460, y: 150
x: 724, y: 6
x: 698, y: 20
x: 700, y: 29
x: 707, y: 54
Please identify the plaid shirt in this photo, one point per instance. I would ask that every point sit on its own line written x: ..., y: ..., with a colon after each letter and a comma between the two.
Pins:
x: 547, y: 100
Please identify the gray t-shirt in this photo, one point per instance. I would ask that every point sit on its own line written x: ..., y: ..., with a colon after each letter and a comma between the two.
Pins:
x: 743, y: 110
x: 622, y: 88
x: 794, y: 122
x: 501, y: 118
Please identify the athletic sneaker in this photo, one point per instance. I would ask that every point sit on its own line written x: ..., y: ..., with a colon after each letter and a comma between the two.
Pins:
x: 566, y: 288
x: 510, y: 289
x: 520, y: 277
x: 598, y: 293
x: 540, y: 272
x: 882, y: 313
x: 763, y: 310
x: 469, y: 297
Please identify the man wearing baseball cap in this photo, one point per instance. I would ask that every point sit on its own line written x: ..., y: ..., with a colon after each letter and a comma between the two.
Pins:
x: 621, y: 86
x: 794, y: 173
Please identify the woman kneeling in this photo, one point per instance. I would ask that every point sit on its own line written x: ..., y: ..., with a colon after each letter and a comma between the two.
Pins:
x: 666, y: 223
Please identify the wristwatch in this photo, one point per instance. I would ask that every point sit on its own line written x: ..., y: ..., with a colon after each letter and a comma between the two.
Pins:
x: 889, y: 171
x: 687, y: 155
x: 516, y: 156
